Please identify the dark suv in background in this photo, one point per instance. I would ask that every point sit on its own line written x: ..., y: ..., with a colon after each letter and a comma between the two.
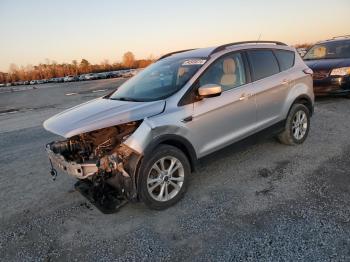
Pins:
x: 330, y: 61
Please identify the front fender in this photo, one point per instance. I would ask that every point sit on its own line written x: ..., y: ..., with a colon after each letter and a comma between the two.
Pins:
x: 147, y: 137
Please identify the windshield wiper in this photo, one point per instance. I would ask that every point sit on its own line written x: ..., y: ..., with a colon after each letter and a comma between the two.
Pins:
x: 127, y: 99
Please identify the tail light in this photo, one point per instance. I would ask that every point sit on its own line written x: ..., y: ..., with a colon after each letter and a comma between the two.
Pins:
x: 308, y: 71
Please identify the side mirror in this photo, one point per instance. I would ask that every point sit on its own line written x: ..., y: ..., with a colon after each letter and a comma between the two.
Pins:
x: 209, y: 90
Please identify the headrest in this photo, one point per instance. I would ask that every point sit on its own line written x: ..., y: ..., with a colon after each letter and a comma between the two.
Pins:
x: 229, y: 66
x: 182, y: 71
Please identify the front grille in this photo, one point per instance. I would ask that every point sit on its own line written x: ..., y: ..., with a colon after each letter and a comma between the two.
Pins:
x: 320, y: 74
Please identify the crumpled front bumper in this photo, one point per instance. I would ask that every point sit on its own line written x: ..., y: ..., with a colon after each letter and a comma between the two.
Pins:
x: 79, y: 171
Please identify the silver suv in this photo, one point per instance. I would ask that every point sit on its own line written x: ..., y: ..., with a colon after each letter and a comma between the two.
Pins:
x: 142, y: 141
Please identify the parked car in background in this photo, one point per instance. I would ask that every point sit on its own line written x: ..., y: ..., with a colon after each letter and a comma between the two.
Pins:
x: 115, y: 74
x: 302, y: 51
x: 126, y: 73
x: 82, y: 77
x: 101, y: 75
x: 70, y: 78
x: 109, y: 74
x: 143, y: 140
x: 33, y: 82
x: 91, y: 76
x: 330, y: 61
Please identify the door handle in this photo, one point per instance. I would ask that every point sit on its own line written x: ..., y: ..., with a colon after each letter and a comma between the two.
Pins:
x: 187, y: 119
x: 245, y: 96
x: 285, y: 81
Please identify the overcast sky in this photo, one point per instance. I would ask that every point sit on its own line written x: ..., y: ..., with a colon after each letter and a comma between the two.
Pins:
x: 35, y: 30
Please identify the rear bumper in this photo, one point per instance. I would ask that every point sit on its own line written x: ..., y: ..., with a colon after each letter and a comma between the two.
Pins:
x: 332, y: 86
x: 79, y: 171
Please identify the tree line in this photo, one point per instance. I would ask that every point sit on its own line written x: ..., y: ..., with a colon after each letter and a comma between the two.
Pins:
x: 304, y: 45
x: 52, y: 69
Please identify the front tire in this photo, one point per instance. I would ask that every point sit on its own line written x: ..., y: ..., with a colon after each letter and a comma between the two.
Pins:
x: 297, y: 126
x: 164, y: 177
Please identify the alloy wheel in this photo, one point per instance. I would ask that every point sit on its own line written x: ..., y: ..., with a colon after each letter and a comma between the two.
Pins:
x: 165, y: 178
x: 299, y: 125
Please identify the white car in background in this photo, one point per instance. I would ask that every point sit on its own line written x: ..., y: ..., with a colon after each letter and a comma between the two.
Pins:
x: 90, y: 76
x: 69, y: 78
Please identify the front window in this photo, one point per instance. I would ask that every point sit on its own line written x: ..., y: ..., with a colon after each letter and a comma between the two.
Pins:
x: 330, y: 50
x: 159, y: 81
x: 228, y: 72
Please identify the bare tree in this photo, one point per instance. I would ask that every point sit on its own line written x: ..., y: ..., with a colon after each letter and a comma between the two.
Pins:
x: 128, y: 59
x: 85, y: 66
x: 303, y: 45
x: 75, y: 67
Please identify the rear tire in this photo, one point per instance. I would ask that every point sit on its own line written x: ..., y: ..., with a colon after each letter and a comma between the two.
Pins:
x: 297, y: 126
x: 163, y: 177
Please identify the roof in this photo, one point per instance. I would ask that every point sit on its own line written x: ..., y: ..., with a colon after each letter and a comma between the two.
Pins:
x: 200, y: 52
x: 208, y: 51
x: 335, y: 39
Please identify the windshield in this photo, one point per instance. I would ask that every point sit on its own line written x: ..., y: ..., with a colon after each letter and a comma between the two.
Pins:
x: 330, y: 50
x: 159, y: 80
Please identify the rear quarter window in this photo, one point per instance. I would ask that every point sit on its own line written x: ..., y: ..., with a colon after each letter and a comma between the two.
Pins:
x: 263, y: 63
x: 285, y: 59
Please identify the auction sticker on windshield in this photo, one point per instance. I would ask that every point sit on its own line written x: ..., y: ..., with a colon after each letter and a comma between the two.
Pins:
x: 194, y: 62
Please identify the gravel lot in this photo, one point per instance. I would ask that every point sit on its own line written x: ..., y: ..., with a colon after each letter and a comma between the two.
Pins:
x: 256, y: 201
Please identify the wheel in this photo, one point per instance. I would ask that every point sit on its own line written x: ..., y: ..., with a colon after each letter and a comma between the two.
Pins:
x: 163, y: 177
x: 297, y: 126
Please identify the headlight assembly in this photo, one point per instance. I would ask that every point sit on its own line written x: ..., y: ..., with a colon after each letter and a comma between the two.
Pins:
x: 342, y: 71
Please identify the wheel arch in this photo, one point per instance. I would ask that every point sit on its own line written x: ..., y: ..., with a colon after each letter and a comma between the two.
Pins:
x: 304, y: 100
x: 176, y: 141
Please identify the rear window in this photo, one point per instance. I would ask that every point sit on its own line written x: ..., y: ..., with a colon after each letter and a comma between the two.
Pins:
x: 263, y: 63
x: 285, y: 59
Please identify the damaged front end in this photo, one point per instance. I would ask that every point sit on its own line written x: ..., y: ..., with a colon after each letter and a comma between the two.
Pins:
x: 104, y: 166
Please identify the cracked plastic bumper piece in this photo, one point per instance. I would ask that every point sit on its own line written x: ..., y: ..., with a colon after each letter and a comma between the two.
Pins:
x: 79, y: 171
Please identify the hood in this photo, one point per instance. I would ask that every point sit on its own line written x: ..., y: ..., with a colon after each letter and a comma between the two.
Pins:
x: 327, y: 64
x: 100, y: 113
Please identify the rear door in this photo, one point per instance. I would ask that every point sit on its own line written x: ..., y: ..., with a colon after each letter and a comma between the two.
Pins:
x: 271, y: 82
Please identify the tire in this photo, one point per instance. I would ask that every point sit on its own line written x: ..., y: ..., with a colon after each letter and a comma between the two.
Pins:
x: 153, y: 179
x: 296, y: 135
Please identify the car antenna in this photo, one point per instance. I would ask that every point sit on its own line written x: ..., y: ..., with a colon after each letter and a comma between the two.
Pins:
x: 258, y: 38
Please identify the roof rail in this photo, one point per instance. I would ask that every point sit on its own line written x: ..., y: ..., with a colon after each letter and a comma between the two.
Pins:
x: 341, y: 36
x: 173, y: 53
x: 223, y: 47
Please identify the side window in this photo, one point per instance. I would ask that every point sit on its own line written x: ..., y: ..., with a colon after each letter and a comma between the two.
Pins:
x: 227, y: 71
x: 285, y: 59
x: 263, y: 63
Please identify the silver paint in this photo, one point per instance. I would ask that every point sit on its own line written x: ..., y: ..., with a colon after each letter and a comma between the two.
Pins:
x: 216, y: 122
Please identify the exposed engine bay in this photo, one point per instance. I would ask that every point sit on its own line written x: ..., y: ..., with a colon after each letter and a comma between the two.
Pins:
x: 104, y: 166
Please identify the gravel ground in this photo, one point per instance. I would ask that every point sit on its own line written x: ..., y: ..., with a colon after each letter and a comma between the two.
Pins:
x: 256, y: 201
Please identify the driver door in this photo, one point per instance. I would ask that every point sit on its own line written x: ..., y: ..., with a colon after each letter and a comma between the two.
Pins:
x: 222, y: 120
